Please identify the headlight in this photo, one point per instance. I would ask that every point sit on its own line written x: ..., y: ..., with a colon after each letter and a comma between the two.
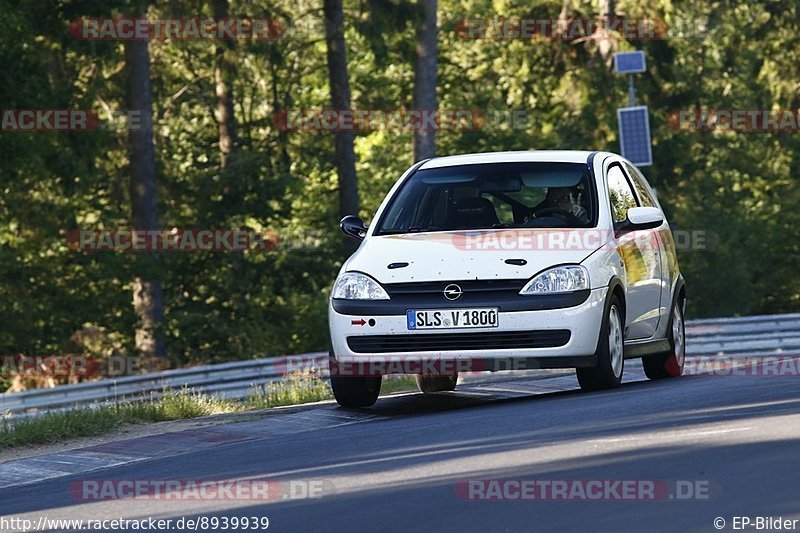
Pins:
x: 357, y: 286
x: 559, y: 279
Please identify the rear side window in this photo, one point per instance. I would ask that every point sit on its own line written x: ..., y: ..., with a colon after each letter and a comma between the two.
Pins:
x: 620, y: 194
x: 645, y: 198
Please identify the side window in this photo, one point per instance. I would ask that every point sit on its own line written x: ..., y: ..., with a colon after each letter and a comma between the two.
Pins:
x: 641, y: 190
x: 620, y: 194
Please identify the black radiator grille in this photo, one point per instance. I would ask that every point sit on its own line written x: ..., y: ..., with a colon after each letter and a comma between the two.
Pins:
x: 430, y: 342
x: 478, y: 287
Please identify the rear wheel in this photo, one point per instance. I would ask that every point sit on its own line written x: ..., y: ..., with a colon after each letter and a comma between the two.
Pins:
x: 353, y: 391
x: 427, y: 383
x: 670, y: 364
x: 607, y: 373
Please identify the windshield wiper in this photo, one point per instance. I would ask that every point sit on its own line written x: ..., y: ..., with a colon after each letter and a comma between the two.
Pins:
x: 412, y: 229
x: 420, y: 229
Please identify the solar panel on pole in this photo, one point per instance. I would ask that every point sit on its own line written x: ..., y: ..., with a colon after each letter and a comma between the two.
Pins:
x: 629, y: 62
x: 634, y: 135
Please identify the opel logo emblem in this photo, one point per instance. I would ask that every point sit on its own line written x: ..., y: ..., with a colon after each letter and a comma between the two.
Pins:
x: 452, y: 292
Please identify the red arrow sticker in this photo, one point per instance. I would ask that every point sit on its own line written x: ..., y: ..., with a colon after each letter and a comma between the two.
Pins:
x: 359, y: 322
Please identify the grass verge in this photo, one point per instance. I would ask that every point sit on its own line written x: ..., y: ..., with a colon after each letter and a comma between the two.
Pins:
x: 398, y: 384
x: 182, y: 404
x: 300, y: 388
x: 97, y: 420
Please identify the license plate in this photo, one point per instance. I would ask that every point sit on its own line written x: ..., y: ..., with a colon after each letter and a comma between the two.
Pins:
x: 452, y: 318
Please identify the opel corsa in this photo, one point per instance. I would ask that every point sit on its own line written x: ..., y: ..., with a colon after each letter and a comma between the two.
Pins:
x: 508, y: 260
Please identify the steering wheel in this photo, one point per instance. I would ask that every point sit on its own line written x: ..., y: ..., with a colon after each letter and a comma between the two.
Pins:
x: 557, y: 212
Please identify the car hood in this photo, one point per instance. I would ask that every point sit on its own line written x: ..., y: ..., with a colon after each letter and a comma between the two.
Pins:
x: 468, y: 255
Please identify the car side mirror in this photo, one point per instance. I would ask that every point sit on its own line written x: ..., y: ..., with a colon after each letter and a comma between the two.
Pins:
x: 352, y: 226
x: 644, y: 218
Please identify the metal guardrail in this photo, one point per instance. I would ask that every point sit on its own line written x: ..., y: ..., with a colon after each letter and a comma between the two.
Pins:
x: 229, y: 380
x: 752, y: 336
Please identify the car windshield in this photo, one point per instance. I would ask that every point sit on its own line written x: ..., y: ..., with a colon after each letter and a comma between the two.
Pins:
x: 493, y: 195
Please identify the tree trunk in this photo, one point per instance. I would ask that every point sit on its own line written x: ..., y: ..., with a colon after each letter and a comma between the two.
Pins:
x: 606, y: 45
x: 425, y: 79
x: 147, y: 297
x: 340, y: 98
x: 224, y: 74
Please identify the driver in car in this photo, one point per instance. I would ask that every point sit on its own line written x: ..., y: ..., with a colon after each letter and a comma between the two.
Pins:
x: 567, y: 199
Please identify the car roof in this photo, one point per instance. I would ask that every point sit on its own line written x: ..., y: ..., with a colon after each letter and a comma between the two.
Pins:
x: 559, y: 156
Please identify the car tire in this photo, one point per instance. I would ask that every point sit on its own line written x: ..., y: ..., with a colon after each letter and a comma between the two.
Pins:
x: 669, y: 364
x: 607, y: 372
x: 426, y: 383
x: 353, y: 391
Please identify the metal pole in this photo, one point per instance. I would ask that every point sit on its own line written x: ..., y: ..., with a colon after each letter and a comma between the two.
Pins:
x: 631, y: 91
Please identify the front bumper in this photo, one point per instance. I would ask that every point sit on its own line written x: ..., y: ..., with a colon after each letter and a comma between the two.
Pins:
x: 546, y: 347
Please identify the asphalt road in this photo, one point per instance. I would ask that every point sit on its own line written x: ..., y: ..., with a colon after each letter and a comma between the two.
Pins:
x: 733, y: 440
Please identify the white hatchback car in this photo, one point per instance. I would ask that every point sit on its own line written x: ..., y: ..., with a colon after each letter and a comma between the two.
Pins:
x: 508, y: 260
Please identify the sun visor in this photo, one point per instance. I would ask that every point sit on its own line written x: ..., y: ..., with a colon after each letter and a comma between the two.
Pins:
x: 553, y: 178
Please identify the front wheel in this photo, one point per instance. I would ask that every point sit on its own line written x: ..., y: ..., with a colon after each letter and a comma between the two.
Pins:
x: 670, y: 364
x: 607, y: 373
x: 353, y: 391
